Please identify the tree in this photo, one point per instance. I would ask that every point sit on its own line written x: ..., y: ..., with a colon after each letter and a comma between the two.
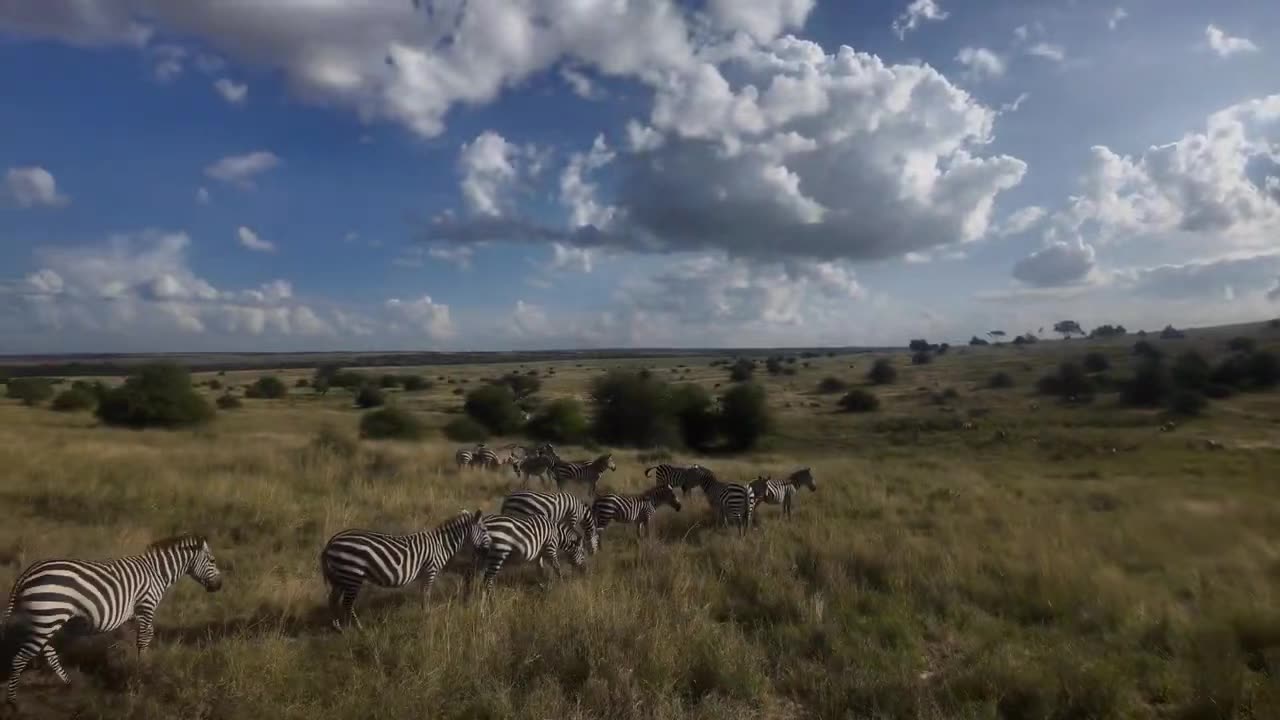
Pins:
x: 859, y: 401
x: 415, y: 383
x: 1104, y: 331
x: 924, y: 357
x: 73, y: 400
x: 391, y: 423
x: 522, y: 386
x: 744, y: 416
x: 1242, y: 345
x: 1191, y: 371
x: 1069, y: 381
x: 156, y: 395
x: 465, y: 429
x: 1000, y: 380
x: 370, y: 396
x: 1096, y: 362
x: 559, y: 421
x: 389, y: 381
x: 995, y: 334
x: 269, y: 387
x: 943, y: 348
x: 1144, y: 348
x: 1149, y: 386
x: 882, y: 372
x: 831, y: 385
x: 773, y: 365
x: 742, y: 370
x: 695, y: 415
x: 918, y: 346
x: 632, y: 410
x: 31, y: 391
x: 1067, y: 328
x: 977, y: 341
x: 1027, y: 339
x: 1171, y: 333
x: 494, y: 406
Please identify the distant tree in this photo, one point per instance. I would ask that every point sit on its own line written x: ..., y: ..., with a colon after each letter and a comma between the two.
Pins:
x: 73, y: 400
x: 830, y: 385
x: 1069, y: 381
x: 774, y: 365
x: 494, y: 406
x: 227, y: 401
x: 924, y: 357
x: 1150, y: 385
x: 1000, y: 381
x: 918, y: 346
x: 1104, y: 331
x: 859, y: 401
x: 742, y: 370
x: 268, y: 387
x: 389, y: 381
x: 559, y: 421
x: 695, y: 415
x: 975, y: 340
x: 1191, y: 371
x: 995, y: 334
x: 1171, y: 333
x: 370, y: 396
x: 415, y: 383
x: 1096, y: 362
x: 1242, y: 344
x: 391, y: 423
x: 521, y: 385
x: 744, y: 416
x: 1067, y: 328
x: 1144, y: 348
x: 1027, y: 339
x: 882, y: 372
x: 943, y: 348
x: 31, y: 391
x: 157, y: 395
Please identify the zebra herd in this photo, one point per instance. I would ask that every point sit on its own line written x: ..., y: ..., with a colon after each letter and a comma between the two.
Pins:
x: 530, y: 527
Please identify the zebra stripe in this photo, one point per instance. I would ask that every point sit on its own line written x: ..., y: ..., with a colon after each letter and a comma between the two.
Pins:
x: 775, y: 492
x: 729, y: 501
x: 463, y: 458
x: 531, y: 465
x: 583, y: 472
x: 484, y: 457
x: 561, y: 507
x: 525, y: 538
x: 635, y: 509
x: 677, y: 476
x: 354, y: 557
x: 98, y: 597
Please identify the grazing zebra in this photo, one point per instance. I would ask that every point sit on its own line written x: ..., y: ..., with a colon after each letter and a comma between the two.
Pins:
x: 583, y: 472
x: 729, y: 501
x: 463, y: 457
x: 546, y: 449
x: 635, y: 509
x: 775, y: 492
x: 531, y: 465
x: 677, y: 476
x: 561, y: 507
x: 97, y: 597
x: 354, y: 557
x: 525, y: 538
x: 484, y: 457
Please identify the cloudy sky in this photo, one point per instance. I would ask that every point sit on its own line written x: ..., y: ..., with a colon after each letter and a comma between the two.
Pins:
x: 488, y: 174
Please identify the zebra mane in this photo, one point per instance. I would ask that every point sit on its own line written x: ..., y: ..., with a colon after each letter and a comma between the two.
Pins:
x: 185, y: 541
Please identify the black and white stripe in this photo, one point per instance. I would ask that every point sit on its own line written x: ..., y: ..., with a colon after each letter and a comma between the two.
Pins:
x: 730, y: 502
x: 463, y: 458
x: 781, y: 492
x: 685, y: 477
x: 484, y: 457
x: 525, y: 538
x: 97, y: 597
x: 533, y: 466
x: 587, y: 473
x: 561, y: 507
x: 635, y: 509
x: 354, y: 557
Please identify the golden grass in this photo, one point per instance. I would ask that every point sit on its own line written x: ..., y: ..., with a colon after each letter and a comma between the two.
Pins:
x: 938, y: 572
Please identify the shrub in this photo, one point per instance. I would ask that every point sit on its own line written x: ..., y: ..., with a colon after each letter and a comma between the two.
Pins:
x: 693, y: 411
x: 269, y: 387
x: 391, y: 423
x: 415, y: 383
x: 1190, y: 371
x: 459, y: 391
x: 228, y: 402
x: 158, y: 395
x: 1149, y: 386
x: 465, y: 429
x: 922, y: 358
x: 302, y: 383
x: 1218, y: 392
x: 1070, y: 380
x: 214, y: 384
x: 632, y: 410
x: 830, y: 385
x: 389, y: 381
x: 520, y: 385
x: 773, y: 365
x: 919, y: 345
x: 1144, y: 348
x: 1096, y: 362
x: 882, y: 372
x: 1242, y: 344
x: 329, y: 439
x: 559, y: 421
x: 1187, y: 402
x: 742, y: 370
x: 1000, y: 380
x: 31, y: 391
x: 348, y: 379
x: 370, y: 397
x: 977, y: 341
x: 74, y: 400
x: 1264, y: 369
x: 859, y: 400
x: 744, y: 416
x: 494, y: 407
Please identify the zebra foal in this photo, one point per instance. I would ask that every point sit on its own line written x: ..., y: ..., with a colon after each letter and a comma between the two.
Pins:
x: 561, y: 507
x: 780, y: 492
x: 97, y: 597
x: 587, y: 473
x: 635, y: 509
x: 729, y: 501
x: 521, y: 539
x: 354, y: 557
x: 685, y: 477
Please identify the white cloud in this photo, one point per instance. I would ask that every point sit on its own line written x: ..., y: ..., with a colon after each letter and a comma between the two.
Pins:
x: 1115, y: 18
x: 981, y: 62
x: 250, y: 240
x: 569, y: 258
x: 84, y: 24
x: 529, y: 320
x: 488, y: 168
x: 459, y: 256
x: 1225, y: 45
x: 917, y: 12
x: 761, y: 19
x: 422, y: 316
x: 580, y: 83
x: 1017, y: 103
x: 578, y: 194
x: 236, y: 94
x: 202, y: 196
x: 33, y: 186
x: 1048, y: 51
x: 242, y: 169
x: 167, y: 62
x: 1059, y: 263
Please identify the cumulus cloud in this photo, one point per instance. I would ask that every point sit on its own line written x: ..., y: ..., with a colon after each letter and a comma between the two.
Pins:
x: 1231, y: 276
x: 1116, y: 17
x: 84, y: 24
x: 250, y: 240
x: 569, y: 258
x: 761, y: 19
x: 233, y: 93
x: 1048, y: 51
x: 580, y: 83
x: 423, y: 316
x: 1059, y: 263
x: 459, y: 256
x: 980, y: 62
x: 167, y: 62
x: 919, y: 11
x: 242, y: 169
x: 1225, y: 45
x: 1022, y: 220
x: 33, y: 186
x: 529, y: 320
x: 490, y: 167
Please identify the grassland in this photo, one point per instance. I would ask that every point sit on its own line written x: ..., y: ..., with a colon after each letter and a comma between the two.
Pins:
x: 993, y: 555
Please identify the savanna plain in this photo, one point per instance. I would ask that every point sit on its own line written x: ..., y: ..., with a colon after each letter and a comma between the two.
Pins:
x: 970, y: 552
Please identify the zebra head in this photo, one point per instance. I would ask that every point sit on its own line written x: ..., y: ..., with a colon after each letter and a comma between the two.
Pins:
x: 474, y: 533
x: 590, y: 528
x: 569, y: 544
x: 204, y: 569
x: 605, y: 462
x: 760, y: 486
x: 804, y: 478
x: 695, y: 476
x: 665, y: 495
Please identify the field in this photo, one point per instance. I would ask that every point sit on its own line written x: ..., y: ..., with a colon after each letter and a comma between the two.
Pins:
x: 987, y: 553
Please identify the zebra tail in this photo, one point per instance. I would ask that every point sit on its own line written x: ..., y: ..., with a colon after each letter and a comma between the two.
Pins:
x: 649, y: 469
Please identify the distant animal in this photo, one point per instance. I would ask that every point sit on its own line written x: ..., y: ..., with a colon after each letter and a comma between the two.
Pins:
x: 781, y: 492
x: 463, y: 458
x: 635, y: 509
x: 685, y: 477
x: 97, y: 597
x: 533, y: 465
x: 484, y: 457
x: 587, y: 473
x: 561, y: 507
x: 354, y: 557
x: 524, y: 538
x: 730, y: 502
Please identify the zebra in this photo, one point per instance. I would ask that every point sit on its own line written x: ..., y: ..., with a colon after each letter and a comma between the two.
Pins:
x: 635, y: 509
x: 463, y: 458
x: 354, y: 557
x: 729, y: 501
x: 98, y: 597
x: 677, y: 476
x: 561, y: 507
x: 583, y: 472
x: 531, y: 465
x: 521, y: 538
x: 775, y: 492
x: 484, y: 457
x: 546, y: 449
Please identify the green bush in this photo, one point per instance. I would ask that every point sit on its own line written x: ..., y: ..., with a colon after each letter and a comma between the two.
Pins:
x: 302, y: 383
x: 1150, y: 385
x: 1187, y: 402
x: 31, y: 391
x: 1264, y: 369
x: 269, y: 388
x: 1144, y: 348
x: 1096, y: 362
x: 389, y: 381
x: 521, y: 386
x: 831, y: 385
x: 391, y: 423
x: 1000, y: 380
x: 744, y: 416
x: 465, y: 429
x: 415, y: 383
x: 158, y: 395
x: 559, y: 421
x: 1218, y: 392
x: 742, y: 370
x: 228, y: 402
x: 1244, y: 345
x: 923, y: 357
x: 1191, y: 371
x: 370, y: 397
x: 494, y: 406
x: 882, y: 372
x: 632, y: 410
x: 348, y: 379
x: 214, y: 384
x: 694, y: 414
x: 1069, y: 381
x: 74, y: 400
x: 859, y: 401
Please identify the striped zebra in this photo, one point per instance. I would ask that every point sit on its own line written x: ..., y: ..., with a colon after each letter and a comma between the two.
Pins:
x: 354, y: 557
x: 583, y: 472
x: 97, y: 597
x: 533, y: 465
x: 525, y: 538
x: 677, y: 476
x: 729, y: 501
x: 780, y: 492
x: 484, y: 457
x: 463, y: 458
x: 561, y: 507
x: 635, y: 509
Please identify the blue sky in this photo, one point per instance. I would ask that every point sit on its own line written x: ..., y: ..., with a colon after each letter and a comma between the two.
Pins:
x: 359, y: 174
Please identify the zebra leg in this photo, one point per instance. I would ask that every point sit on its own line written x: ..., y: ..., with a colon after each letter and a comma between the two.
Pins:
x: 786, y: 505
x: 20, y: 661
x: 349, y: 607
x: 493, y: 564
x: 550, y: 555
x: 428, y: 579
x: 335, y: 608
x: 145, y: 613
x: 51, y: 657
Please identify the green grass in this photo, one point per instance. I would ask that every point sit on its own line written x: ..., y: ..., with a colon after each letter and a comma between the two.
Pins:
x: 964, y: 557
